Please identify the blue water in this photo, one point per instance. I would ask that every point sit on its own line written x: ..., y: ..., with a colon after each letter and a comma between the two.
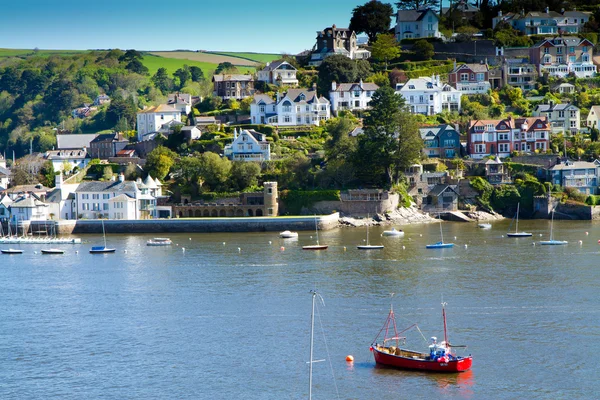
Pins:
x: 215, y: 322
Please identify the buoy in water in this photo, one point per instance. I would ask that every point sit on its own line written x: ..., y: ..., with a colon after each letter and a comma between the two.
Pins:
x: 466, y: 246
x: 190, y: 238
x: 420, y: 235
x: 270, y: 242
x: 282, y: 248
x: 35, y: 252
x: 349, y: 358
x: 540, y: 235
x: 587, y: 233
x: 77, y: 251
x: 345, y: 246
x: 183, y: 249
x: 223, y: 243
x: 403, y: 247
x: 125, y: 251
x: 502, y: 236
x: 580, y: 242
x: 239, y: 249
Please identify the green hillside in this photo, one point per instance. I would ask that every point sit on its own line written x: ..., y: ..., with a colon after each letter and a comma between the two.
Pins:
x: 258, y: 57
x: 30, y: 52
x: 153, y: 63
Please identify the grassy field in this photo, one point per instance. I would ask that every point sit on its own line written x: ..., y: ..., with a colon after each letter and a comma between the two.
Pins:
x: 29, y: 52
x: 258, y: 57
x: 204, y: 57
x: 153, y: 63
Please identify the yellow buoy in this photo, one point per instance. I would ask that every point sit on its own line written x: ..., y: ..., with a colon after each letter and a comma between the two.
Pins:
x: 349, y: 358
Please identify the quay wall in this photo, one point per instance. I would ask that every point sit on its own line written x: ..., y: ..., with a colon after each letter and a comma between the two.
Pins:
x: 357, y: 207
x: 200, y: 225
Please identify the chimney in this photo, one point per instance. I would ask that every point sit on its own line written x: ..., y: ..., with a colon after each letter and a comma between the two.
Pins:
x: 121, y: 177
x: 500, y: 13
x: 314, y: 86
x: 235, y: 133
x: 562, y: 11
x: 268, y: 63
x: 361, y: 83
x: 58, y: 180
x: 333, y: 86
x: 522, y: 12
x: 278, y: 97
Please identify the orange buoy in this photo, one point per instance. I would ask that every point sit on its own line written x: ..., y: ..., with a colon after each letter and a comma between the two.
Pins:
x: 282, y: 248
x: 349, y: 358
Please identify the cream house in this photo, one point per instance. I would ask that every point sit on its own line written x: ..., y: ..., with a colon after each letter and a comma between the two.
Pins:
x: 291, y: 108
x: 593, y: 118
x: 153, y: 119
x: 351, y: 96
x: 563, y: 117
x: 278, y: 73
x: 248, y: 145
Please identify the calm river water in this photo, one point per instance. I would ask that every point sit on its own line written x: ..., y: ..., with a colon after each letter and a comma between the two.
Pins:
x: 212, y: 322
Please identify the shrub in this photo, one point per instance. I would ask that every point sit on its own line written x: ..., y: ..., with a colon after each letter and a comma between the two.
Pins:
x: 295, y: 200
x: 592, y: 200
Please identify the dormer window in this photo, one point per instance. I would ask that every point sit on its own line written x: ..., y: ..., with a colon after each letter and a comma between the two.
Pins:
x: 302, y: 96
x: 411, y: 87
x: 429, y: 85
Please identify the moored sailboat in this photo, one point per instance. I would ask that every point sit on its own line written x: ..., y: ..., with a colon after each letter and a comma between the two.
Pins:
x: 552, y: 241
x: 317, y: 246
x: 516, y: 233
x: 440, y: 244
x: 369, y: 246
x: 102, y: 249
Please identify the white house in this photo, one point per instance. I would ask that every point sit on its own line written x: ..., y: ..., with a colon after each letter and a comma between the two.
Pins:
x: 5, y: 202
x: 4, y: 174
x: 180, y: 101
x: 28, y: 207
x: 152, y: 119
x: 75, y: 158
x: 429, y: 96
x: 593, y: 118
x: 191, y: 132
x: 414, y: 24
x: 351, y: 96
x: 61, y: 200
x: 293, y: 108
x: 94, y: 200
x: 563, y: 117
x: 278, y: 73
x: 248, y: 145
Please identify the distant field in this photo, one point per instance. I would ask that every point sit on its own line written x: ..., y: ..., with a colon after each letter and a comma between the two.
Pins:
x: 258, y: 57
x: 204, y: 57
x: 154, y: 62
x: 30, y: 52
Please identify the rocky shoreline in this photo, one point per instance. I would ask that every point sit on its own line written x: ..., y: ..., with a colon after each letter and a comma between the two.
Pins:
x: 409, y: 215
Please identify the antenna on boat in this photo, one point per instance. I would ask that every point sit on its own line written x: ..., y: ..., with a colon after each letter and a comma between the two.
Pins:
x: 444, y: 316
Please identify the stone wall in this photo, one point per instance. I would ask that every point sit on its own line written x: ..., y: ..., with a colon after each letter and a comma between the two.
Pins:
x: 356, y: 207
x: 256, y: 224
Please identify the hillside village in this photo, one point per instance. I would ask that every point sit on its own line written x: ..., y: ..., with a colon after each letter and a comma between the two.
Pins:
x: 461, y: 108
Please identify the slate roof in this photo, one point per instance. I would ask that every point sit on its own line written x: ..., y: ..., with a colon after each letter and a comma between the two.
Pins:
x: 411, y: 15
x: 347, y: 87
x: 567, y: 41
x: 110, y: 186
x: 38, y: 188
x: 310, y: 96
x: 276, y: 64
x: 232, y: 77
x: 473, y: 67
x: 74, y: 141
x: 554, y: 107
x: 264, y: 98
x: 78, y: 154
x: 4, y: 171
x: 434, y: 131
x: 28, y: 202
x: 437, y: 190
x: 105, y: 137
x: 574, y: 165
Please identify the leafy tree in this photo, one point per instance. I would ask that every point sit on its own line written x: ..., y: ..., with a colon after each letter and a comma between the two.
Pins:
x: 159, y: 162
x: 130, y: 55
x: 379, y: 78
x: 371, y: 18
x: 137, y: 67
x: 245, y: 104
x: 385, y: 48
x: 225, y: 67
x: 244, y: 174
x: 340, y: 145
x: 121, y: 113
x: 131, y: 172
x: 594, y: 134
x: 189, y: 173
x: 215, y: 170
x: 391, y: 140
x: 107, y: 173
x: 417, y: 4
x: 341, y: 69
x: 196, y: 74
x: 162, y: 81
x: 183, y: 74
x: 424, y: 49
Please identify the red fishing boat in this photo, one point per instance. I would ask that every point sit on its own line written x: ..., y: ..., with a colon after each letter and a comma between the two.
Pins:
x: 440, y: 358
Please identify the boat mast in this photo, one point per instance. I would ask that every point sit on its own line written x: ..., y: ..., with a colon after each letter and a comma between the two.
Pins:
x: 367, y: 229
x: 317, y: 230
x: 103, y: 233
x: 444, y: 316
x: 517, y: 223
x: 551, y: 225
x: 441, y: 233
x: 312, y: 331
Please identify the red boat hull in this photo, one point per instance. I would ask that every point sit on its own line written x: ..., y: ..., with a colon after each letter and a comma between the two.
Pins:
x: 459, y: 365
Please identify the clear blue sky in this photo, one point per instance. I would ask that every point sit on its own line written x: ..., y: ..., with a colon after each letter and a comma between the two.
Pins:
x: 234, y: 25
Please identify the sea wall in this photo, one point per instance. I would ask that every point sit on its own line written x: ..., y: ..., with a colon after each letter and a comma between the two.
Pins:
x: 356, y: 208
x: 242, y: 224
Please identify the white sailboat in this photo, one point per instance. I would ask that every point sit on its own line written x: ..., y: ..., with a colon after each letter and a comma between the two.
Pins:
x: 317, y: 246
x: 553, y: 242
x: 516, y: 233
x: 102, y: 249
x: 369, y: 246
x: 440, y: 244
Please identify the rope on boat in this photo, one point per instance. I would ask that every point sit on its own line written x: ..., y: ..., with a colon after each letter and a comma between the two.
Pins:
x: 326, y: 346
x: 423, y: 336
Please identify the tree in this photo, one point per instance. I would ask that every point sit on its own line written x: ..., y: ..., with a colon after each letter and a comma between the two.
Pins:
x: 385, y: 48
x: 183, y: 74
x: 225, y: 67
x: 340, y: 145
x: 121, y: 112
x: 371, y: 18
x: 197, y: 74
x: 244, y: 174
x: 130, y: 55
x: 417, y: 4
x: 137, y: 67
x: 424, y: 49
x: 162, y: 81
x: 341, y: 69
x: 391, y: 140
x: 215, y: 170
x: 159, y: 162
x: 107, y: 173
x: 594, y: 134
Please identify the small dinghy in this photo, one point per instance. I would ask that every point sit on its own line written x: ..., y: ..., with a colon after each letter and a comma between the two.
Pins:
x: 159, y: 242
x: 11, y: 251
x: 393, y: 232
x: 52, y: 251
x: 288, y: 235
x: 484, y: 226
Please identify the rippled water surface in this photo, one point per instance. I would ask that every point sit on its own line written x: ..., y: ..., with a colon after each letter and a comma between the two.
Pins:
x: 215, y: 322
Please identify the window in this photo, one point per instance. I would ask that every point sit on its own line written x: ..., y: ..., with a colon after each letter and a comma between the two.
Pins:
x: 571, y: 49
x: 584, y: 49
x: 412, y: 99
x: 561, y: 114
x: 546, y: 50
x: 503, y: 136
x: 573, y: 124
x: 464, y: 77
x: 106, y: 196
x: 573, y: 114
x: 480, y: 148
x: 430, y: 97
x: 105, y: 206
x: 480, y: 77
x: 95, y: 196
x: 287, y: 118
x: 503, y: 148
x: 559, y: 50
x: 356, y: 93
x: 421, y: 100
x: 559, y: 59
x: 261, y: 108
x: 517, y: 146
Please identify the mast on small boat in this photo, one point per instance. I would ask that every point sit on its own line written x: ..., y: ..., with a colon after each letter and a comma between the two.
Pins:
x: 312, y: 331
x: 445, y: 327
x: 441, y: 231
x: 317, y: 230
x: 103, y: 233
